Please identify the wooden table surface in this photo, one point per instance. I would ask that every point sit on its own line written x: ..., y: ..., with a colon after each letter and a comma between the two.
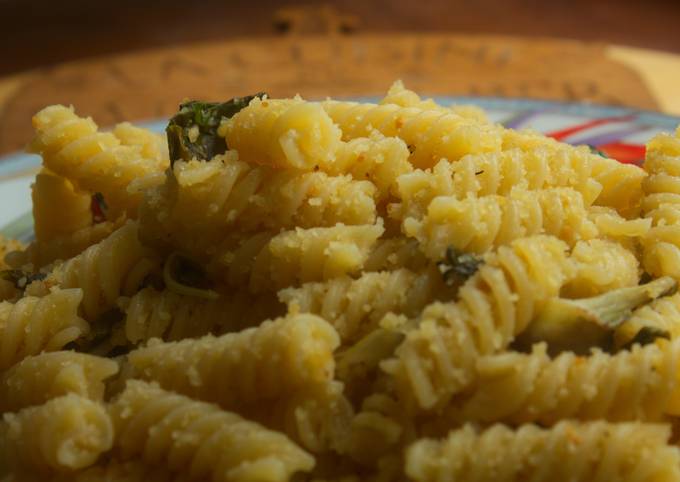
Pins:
x: 338, y: 60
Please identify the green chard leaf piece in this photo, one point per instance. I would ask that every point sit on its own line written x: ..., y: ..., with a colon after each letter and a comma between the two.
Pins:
x: 458, y: 266
x: 185, y: 276
x: 19, y: 278
x: 192, y: 132
x: 582, y: 324
x: 595, y: 150
x: 647, y: 335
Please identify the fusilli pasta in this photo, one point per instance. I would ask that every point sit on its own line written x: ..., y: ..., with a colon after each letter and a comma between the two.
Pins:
x: 495, y: 173
x: 152, y: 145
x: 8, y: 290
x: 430, y: 134
x: 437, y: 358
x: 378, y: 159
x: 171, y: 317
x: 356, y: 306
x: 113, y: 267
x: 112, y: 470
x: 621, y: 183
x: 381, y: 427
x: 479, y: 224
x: 264, y: 262
x: 231, y: 194
x: 392, y: 253
x: 317, y: 417
x: 58, y: 209
x: 64, y: 434
x: 399, y: 95
x: 94, y: 161
x: 662, y: 205
x: 37, y: 379
x: 659, y: 318
x: 601, y: 266
x: 42, y: 253
x: 569, y: 451
x: 200, y: 440
x: 641, y: 384
x: 309, y: 291
x: 272, y: 360
x: 33, y: 325
x: 286, y: 133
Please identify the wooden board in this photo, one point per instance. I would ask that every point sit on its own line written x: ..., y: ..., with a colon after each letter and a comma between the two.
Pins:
x: 150, y: 84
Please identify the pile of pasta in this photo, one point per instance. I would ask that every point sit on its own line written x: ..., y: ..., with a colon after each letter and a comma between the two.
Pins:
x: 345, y: 292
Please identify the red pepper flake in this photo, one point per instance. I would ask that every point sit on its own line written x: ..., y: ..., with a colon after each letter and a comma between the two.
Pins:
x: 99, y: 208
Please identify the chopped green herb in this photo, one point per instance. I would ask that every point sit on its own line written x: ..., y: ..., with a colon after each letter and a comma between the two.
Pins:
x: 458, y: 266
x: 595, y: 150
x: 184, y: 276
x: 20, y: 278
x: 647, y: 335
x: 192, y: 132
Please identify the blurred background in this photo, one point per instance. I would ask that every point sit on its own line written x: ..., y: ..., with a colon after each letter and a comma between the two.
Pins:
x: 41, y: 33
x: 136, y: 59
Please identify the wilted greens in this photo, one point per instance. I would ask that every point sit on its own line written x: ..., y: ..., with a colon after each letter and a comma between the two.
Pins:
x: 186, y: 277
x: 458, y: 266
x: 19, y: 278
x: 579, y: 325
x: 192, y: 132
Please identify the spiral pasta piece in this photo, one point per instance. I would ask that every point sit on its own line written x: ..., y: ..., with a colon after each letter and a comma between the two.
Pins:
x: 661, y: 317
x: 42, y: 253
x: 317, y: 417
x: 37, y: 379
x: 7, y: 289
x: 496, y: 173
x: 600, y: 266
x: 33, y: 325
x: 479, y: 224
x: 152, y: 145
x: 171, y: 317
x: 569, y: 451
x: 612, y: 226
x: 378, y: 429
x: 621, y: 183
x: 437, y: 358
x: 113, y: 267
x: 356, y: 306
x: 94, y: 161
x: 64, y: 434
x: 232, y: 370
x: 199, y: 440
x: 376, y: 158
x: 393, y: 253
x: 662, y: 205
x: 640, y: 384
x: 58, y: 209
x: 430, y: 134
x: 267, y: 262
x: 112, y: 470
x: 401, y: 96
x: 232, y: 195
x: 285, y: 133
